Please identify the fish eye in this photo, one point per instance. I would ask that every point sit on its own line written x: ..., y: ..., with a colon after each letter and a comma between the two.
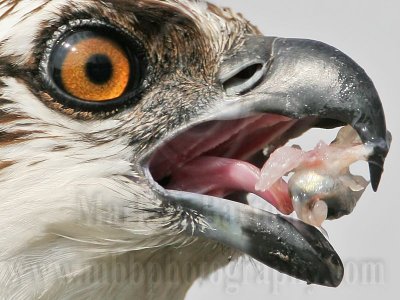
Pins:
x: 94, y: 67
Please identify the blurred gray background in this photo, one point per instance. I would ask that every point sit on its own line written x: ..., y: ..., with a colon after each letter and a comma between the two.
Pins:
x: 368, y: 241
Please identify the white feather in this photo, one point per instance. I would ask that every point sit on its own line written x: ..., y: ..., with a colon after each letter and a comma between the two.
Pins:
x: 69, y: 215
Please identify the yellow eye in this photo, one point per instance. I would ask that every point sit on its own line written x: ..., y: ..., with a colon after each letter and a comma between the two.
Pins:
x: 93, y: 67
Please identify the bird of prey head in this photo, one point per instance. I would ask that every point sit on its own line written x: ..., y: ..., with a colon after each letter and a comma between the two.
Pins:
x: 102, y: 103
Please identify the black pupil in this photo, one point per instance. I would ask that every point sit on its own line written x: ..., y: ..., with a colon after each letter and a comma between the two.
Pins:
x: 99, y: 68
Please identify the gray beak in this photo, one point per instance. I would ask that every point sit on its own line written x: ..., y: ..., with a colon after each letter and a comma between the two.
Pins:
x: 285, y: 244
x: 299, y: 79
x: 305, y: 78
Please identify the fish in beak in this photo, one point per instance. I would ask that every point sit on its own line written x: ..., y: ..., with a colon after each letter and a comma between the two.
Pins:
x: 274, y: 89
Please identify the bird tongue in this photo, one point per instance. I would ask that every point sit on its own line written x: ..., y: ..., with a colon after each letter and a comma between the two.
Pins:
x: 197, y: 160
x: 217, y: 176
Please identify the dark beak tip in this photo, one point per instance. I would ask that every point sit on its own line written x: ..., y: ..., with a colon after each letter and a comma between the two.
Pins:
x: 377, y: 161
x: 331, y: 273
x: 338, y: 278
x: 376, y: 171
x: 325, y: 266
x: 335, y: 282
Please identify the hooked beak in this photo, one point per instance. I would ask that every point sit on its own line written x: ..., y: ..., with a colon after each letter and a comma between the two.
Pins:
x: 305, y: 78
x: 300, y: 79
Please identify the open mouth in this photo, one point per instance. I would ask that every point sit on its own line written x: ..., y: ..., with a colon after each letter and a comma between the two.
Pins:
x: 205, y: 169
x: 224, y: 158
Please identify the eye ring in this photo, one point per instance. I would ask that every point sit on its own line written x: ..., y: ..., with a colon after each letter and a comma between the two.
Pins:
x: 120, y: 41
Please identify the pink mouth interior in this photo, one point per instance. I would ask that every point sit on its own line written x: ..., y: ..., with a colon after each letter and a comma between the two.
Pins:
x: 213, y: 159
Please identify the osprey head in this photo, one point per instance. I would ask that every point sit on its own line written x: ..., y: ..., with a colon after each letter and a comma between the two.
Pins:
x: 103, y: 102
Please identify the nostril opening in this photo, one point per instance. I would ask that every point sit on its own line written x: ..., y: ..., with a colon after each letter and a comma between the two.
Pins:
x: 244, y: 80
x: 249, y: 72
